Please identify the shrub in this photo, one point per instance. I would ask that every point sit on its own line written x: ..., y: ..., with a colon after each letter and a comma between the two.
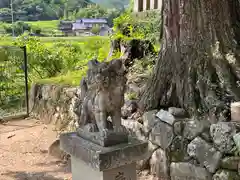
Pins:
x: 96, y: 29
x: 19, y: 27
x: 36, y: 29
x: 145, y: 25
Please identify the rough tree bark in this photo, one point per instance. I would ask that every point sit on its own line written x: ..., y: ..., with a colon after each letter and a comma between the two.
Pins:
x: 199, y: 65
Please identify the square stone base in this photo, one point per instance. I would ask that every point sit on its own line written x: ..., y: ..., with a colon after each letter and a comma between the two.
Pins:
x: 82, y: 171
x: 103, y: 158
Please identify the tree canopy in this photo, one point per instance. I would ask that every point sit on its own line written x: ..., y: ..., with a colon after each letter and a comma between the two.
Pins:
x: 30, y: 10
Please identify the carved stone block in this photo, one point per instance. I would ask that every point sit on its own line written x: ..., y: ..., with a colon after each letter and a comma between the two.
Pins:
x: 79, y: 169
x: 112, y: 138
x: 103, y: 158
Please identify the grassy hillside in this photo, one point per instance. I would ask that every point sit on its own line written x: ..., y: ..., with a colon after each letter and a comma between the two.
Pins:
x: 112, y: 3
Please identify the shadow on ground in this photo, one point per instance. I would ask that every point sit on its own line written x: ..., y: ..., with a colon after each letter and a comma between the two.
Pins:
x: 21, y: 175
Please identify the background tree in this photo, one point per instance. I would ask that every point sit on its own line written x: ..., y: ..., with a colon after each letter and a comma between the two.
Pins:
x: 199, y: 64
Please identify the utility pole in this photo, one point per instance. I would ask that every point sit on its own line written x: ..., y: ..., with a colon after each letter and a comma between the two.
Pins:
x: 13, y: 33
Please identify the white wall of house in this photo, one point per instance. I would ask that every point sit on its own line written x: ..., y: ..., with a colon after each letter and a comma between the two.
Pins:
x: 145, y: 5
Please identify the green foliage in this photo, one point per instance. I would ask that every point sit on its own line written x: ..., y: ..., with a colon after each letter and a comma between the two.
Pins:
x: 50, y: 57
x: 33, y: 10
x: 36, y: 30
x: 96, y: 29
x: 132, y: 96
x: 18, y: 27
x: 11, y: 78
x: 119, y: 4
x: 45, y: 27
x: 145, y: 25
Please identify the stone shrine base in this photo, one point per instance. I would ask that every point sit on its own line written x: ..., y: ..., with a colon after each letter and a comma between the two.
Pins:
x: 112, y: 138
x: 92, y: 161
x: 81, y: 171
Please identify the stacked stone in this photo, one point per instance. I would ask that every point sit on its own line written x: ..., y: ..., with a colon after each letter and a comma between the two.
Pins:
x: 181, y: 148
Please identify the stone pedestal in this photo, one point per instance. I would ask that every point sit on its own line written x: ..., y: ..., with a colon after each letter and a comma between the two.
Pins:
x: 92, y: 161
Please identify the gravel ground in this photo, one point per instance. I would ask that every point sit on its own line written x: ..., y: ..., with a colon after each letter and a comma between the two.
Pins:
x: 24, y: 153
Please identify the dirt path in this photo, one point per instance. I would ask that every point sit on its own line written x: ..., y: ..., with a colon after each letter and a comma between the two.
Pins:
x: 24, y: 153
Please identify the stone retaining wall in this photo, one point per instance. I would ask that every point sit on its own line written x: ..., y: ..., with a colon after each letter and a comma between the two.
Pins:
x: 180, y: 148
x: 53, y: 104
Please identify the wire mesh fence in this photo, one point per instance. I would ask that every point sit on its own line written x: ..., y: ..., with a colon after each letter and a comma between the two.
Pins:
x: 13, y: 81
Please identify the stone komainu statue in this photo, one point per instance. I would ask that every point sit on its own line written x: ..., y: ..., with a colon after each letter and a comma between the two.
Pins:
x: 102, y: 95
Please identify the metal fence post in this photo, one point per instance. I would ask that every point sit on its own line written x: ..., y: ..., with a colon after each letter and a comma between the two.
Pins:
x: 26, y: 77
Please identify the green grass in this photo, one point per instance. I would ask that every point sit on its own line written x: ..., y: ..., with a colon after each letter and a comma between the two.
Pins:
x: 5, y: 41
x: 71, y: 78
x: 45, y: 25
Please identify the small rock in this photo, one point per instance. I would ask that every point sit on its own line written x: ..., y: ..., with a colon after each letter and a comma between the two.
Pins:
x: 193, y: 128
x: 236, y: 139
x: 149, y: 120
x: 206, y: 154
x: 162, y: 135
x: 230, y: 163
x: 135, y: 128
x: 178, y: 127
x: 185, y: 171
x: 206, y: 136
x: 226, y: 175
x: 178, y: 149
x: 177, y: 112
x: 166, y: 117
x: 222, y: 134
x: 159, y: 164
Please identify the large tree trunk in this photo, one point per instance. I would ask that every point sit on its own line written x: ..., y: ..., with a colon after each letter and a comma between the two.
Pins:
x: 199, y: 65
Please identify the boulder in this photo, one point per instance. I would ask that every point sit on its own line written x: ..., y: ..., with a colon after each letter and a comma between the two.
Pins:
x: 184, y: 171
x: 205, y: 153
x: 166, y: 117
x: 135, y: 129
x: 178, y: 149
x: 226, y: 175
x: 230, y: 163
x: 193, y: 128
x: 162, y: 135
x: 149, y: 120
x: 177, y: 112
x: 159, y: 164
x: 222, y: 134
x: 144, y: 164
x: 236, y: 139
x: 206, y: 136
x: 178, y: 127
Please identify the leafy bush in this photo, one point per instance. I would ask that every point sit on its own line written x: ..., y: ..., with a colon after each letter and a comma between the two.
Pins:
x: 145, y: 25
x: 19, y: 27
x: 96, y: 29
x: 36, y: 29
